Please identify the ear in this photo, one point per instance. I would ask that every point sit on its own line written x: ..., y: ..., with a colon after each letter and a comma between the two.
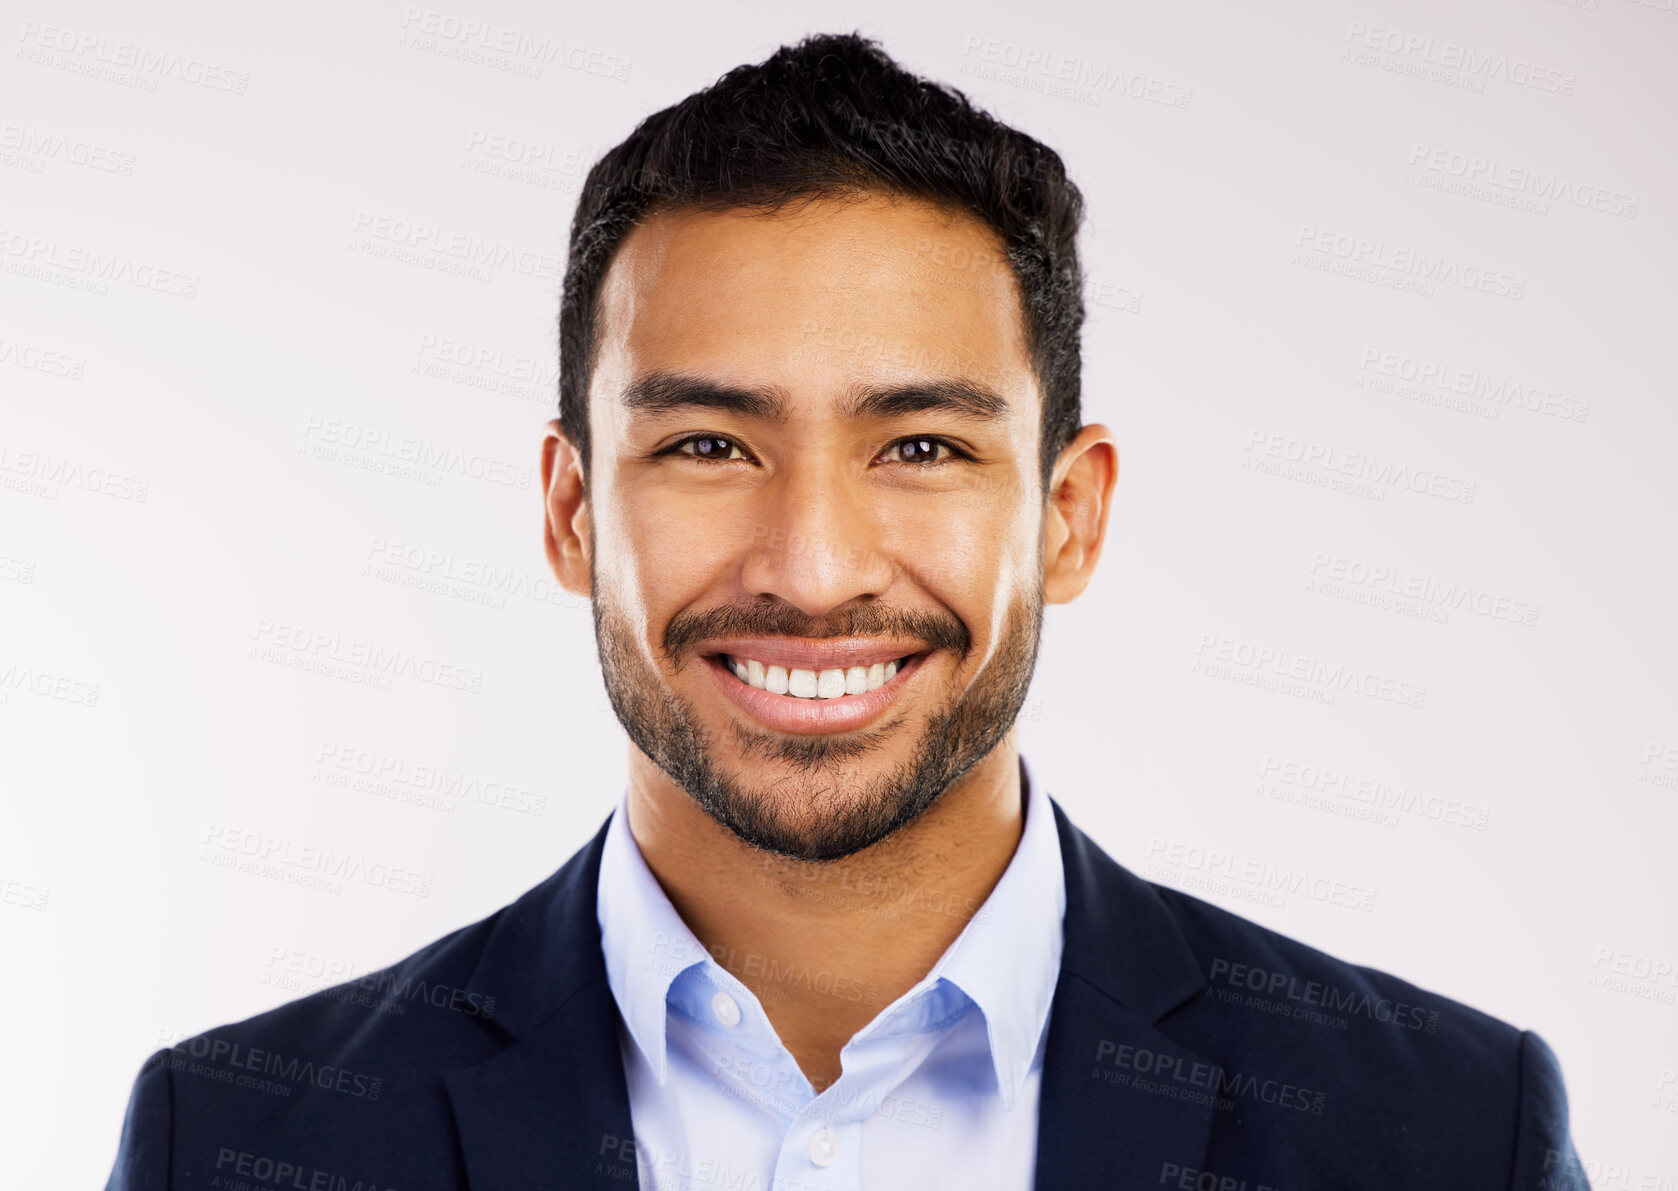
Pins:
x: 565, y: 526
x: 1075, y: 526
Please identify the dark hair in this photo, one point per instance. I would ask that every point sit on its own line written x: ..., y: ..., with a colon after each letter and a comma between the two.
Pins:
x: 835, y: 116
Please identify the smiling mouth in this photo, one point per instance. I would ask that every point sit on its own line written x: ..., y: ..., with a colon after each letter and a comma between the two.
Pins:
x: 815, y: 685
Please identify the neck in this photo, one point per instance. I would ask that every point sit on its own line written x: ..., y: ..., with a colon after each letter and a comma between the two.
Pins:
x: 826, y: 946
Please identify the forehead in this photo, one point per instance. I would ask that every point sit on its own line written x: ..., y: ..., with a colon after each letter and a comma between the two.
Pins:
x: 830, y: 291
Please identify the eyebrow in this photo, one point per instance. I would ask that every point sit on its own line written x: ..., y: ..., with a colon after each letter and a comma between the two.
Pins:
x: 949, y: 395
x: 668, y: 392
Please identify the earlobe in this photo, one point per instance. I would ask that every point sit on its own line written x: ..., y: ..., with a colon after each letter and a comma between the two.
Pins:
x: 1075, y: 527
x: 565, y: 509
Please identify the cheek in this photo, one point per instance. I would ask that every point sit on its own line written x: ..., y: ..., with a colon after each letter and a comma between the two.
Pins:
x: 655, y: 554
x: 972, y: 554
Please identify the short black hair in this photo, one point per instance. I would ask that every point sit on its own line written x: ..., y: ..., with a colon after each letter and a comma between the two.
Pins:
x: 834, y: 116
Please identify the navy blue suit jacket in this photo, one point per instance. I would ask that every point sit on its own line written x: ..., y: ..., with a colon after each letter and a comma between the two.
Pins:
x: 1187, y: 1048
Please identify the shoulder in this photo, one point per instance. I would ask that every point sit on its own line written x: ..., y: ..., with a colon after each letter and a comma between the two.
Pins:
x: 418, y: 1003
x: 1395, y: 1077
x: 302, y: 1088
x: 1316, y: 1070
x: 315, y: 1085
x: 1274, y: 976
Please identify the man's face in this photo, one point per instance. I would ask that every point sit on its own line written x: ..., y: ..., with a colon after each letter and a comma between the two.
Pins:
x: 814, y: 472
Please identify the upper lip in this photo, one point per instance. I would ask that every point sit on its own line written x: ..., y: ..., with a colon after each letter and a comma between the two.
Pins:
x: 830, y: 653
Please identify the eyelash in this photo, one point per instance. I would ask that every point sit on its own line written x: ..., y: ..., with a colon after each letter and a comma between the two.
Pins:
x: 956, y: 453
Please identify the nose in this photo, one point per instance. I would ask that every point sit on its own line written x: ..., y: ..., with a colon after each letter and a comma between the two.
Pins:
x: 818, y: 545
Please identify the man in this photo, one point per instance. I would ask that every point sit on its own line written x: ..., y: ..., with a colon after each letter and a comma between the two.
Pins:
x: 819, y: 465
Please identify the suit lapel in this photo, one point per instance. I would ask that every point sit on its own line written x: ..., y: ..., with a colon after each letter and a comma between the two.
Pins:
x: 552, y: 1109
x: 1121, y: 1102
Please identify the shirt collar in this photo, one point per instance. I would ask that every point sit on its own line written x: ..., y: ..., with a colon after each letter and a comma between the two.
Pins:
x: 1004, y: 959
x: 645, y: 942
x: 1007, y: 957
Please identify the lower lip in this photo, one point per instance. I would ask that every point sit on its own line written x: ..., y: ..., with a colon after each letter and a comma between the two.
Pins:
x: 789, y: 713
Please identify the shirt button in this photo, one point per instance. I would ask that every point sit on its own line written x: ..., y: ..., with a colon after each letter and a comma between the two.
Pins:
x: 726, y: 1009
x: 824, y: 1147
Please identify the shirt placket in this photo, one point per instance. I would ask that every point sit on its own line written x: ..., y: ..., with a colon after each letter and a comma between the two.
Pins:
x: 760, y: 1070
x: 822, y: 1148
x: 821, y: 1151
x: 822, y: 1138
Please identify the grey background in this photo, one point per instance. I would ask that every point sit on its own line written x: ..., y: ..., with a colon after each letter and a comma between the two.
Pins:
x: 222, y: 330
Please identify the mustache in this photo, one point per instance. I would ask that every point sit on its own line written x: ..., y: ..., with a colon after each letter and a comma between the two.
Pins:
x: 780, y: 619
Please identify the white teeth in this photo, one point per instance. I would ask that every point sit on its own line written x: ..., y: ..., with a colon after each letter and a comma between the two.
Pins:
x: 801, y: 683
x: 813, y: 684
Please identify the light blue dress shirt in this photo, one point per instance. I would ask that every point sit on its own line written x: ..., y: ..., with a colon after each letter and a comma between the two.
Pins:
x: 939, y: 1089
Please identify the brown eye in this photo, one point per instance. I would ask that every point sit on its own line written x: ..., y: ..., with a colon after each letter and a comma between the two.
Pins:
x: 711, y: 446
x: 919, y: 450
